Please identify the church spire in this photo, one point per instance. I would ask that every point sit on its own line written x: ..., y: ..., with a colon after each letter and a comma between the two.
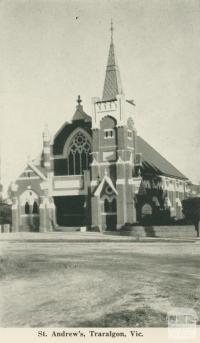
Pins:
x: 112, y: 83
x: 111, y: 30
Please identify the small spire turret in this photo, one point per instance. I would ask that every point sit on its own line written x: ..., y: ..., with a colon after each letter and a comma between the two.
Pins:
x: 46, y: 134
x: 47, y: 148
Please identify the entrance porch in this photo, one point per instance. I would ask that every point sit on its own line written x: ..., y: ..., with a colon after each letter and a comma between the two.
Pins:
x: 72, y: 210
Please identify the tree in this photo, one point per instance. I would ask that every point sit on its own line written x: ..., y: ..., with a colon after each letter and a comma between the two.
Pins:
x: 191, y: 211
x: 5, y: 214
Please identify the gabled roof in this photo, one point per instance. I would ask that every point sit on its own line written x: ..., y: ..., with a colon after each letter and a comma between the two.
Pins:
x: 62, y: 135
x: 112, y: 83
x: 79, y: 113
x: 36, y: 170
x: 105, y: 180
x: 80, y: 119
x: 154, y: 162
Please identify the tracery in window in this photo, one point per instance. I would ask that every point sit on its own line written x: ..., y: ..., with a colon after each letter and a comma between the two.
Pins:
x: 78, y: 154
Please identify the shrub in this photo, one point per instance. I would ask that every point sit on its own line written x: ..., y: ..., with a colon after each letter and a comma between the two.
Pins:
x: 191, y: 211
x: 5, y: 214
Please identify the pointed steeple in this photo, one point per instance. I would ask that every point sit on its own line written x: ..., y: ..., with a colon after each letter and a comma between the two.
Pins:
x: 112, y: 83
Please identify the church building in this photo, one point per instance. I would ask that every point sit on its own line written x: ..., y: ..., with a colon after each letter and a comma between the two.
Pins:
x: 97, y: 171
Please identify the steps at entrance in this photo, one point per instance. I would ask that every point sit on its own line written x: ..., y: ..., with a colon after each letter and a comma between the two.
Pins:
x: 68, y: 228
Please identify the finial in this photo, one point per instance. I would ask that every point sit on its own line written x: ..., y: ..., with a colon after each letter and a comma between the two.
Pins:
x: 79, y: 101
x: 46, y: 134
x: 105, y: 172
x: 111, y: 29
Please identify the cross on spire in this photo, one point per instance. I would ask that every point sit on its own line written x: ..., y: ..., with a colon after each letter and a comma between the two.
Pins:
x: 111, y: 29
x: 79, y: 101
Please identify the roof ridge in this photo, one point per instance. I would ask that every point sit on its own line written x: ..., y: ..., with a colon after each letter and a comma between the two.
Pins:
x: 177, y: 172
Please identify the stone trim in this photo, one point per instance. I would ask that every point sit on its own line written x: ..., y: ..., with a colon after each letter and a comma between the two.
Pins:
x: 94, y: 183
x: 109, y: 213
x: 28, y: 178
x: 100, y: 187
x: 120, y: 182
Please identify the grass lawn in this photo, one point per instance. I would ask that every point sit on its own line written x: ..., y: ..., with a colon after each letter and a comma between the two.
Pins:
x: 116, y: 284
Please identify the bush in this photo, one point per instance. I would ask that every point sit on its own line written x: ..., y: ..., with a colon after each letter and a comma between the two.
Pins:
x: 5, y: 214
x: 191, y: 211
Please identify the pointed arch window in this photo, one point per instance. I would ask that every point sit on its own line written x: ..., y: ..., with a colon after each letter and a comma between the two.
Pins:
x: 78, y: 154
x: 110, y: 206
x: 114, y: 205
x: 29, y: 201
x: 106, y: 206
x: 35, y: 208
x: 27, y: 208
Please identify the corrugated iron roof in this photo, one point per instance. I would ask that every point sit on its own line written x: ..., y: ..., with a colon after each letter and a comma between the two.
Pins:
x: 154, y: 162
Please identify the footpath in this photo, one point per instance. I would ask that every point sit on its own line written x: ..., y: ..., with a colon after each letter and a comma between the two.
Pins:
x: 88, y: 237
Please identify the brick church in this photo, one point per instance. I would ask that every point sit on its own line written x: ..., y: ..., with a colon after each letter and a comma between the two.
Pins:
x: 97, y: 171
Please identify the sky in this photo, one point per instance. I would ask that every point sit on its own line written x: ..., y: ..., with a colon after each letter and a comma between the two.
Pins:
x: 53, y: 50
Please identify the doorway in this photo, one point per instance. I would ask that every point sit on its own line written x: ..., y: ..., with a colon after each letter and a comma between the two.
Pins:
x: 71, y: 210
x: 110, y: 212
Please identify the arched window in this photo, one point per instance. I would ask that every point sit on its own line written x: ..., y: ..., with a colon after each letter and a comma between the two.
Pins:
x: 146, y: 210
x: 114, y: 206
x: 78, y: 154
x: 27, y: 208
x: 106, y: 206
x: 35, y: 208
x: 110, y: 206
x: 29, y: 202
